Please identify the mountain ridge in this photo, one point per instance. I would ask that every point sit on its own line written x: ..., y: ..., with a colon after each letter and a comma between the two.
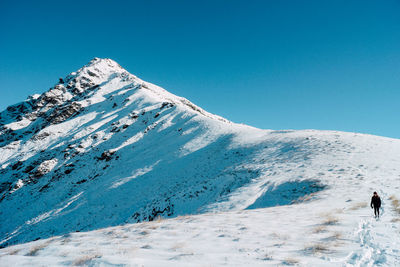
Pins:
x: 42, y: 136
x: 104, y: 148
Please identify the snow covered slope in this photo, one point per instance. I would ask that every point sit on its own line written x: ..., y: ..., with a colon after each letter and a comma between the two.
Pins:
x: 103, y: 148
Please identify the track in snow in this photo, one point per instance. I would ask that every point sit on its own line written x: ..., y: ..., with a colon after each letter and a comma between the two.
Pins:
x: 377, y: 248
x: 370, y: 252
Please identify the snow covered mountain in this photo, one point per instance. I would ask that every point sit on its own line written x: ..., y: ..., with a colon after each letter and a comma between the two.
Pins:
x: 103, y: 148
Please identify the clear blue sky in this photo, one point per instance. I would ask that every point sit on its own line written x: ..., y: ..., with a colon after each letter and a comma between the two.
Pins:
x: 319, y: 64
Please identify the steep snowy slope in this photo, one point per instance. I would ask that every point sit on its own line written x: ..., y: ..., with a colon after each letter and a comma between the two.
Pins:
x: 103, y: 148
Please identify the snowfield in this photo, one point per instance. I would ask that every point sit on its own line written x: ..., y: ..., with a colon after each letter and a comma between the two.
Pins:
x: 105, y: 169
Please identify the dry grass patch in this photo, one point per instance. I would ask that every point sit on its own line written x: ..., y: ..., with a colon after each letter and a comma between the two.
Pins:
x: 84, y: 260
x: 154, y: 224
x: 395, y: 204
x: 334, y: 237
x: 359, y: 205
x: 152, y: 227
x: 304, y: 198
x: 14, y: 252
x: 330, y: 220
x: 35, y: 249
x: 337, y: 235
x: 319, y: 229
x: 158, y: 219
x: 317, y: 248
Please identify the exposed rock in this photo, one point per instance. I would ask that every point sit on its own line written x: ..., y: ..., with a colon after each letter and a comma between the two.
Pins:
x: 91, y: 73
x: 115, y: 129
x: 44, y: 187
x: 4, y: 186
x: 106, y: 155
x: 17, y: 165
x: 65, y: 113
x: 68, y: 171
x: 133, y: 115
x: 81, y: 181
x: 28, y: 169
x: 55, y: 96
x: 45, y: 167
x: 166, y: 104
x: 40, y: 136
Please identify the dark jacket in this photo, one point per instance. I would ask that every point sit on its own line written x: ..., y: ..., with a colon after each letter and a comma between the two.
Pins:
x: 376, y: 201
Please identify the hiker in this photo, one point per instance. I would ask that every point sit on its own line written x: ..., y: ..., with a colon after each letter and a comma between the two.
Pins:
x: 376, y: 204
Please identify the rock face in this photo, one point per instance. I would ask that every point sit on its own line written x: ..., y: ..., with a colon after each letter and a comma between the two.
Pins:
x: 45, y: 167
x: 99, y: 129
x: 65, y: 113
x: 103, y: 148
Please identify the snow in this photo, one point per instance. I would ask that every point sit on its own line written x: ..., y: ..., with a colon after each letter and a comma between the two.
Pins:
x: 138, y: 176
x: 18, y: 124
x: 134, y: 174
x: 46, y: 166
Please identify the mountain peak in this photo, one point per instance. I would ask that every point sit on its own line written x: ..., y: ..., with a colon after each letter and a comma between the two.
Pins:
x: 104, y: 62
x: 96, y: 72
x: 101, y: 71
x: 104, y: 148
x: 100, y: 85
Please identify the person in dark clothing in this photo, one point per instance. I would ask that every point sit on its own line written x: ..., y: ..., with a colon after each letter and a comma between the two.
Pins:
x: 376, y: 204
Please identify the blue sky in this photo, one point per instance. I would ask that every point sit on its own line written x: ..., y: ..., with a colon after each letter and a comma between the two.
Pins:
x: 331, y: 65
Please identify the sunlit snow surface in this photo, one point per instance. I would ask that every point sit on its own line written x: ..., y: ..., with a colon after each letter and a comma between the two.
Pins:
x: 108, y: 170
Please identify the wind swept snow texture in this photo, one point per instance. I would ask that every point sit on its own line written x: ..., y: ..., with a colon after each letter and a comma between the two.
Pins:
x: 108, y: 154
